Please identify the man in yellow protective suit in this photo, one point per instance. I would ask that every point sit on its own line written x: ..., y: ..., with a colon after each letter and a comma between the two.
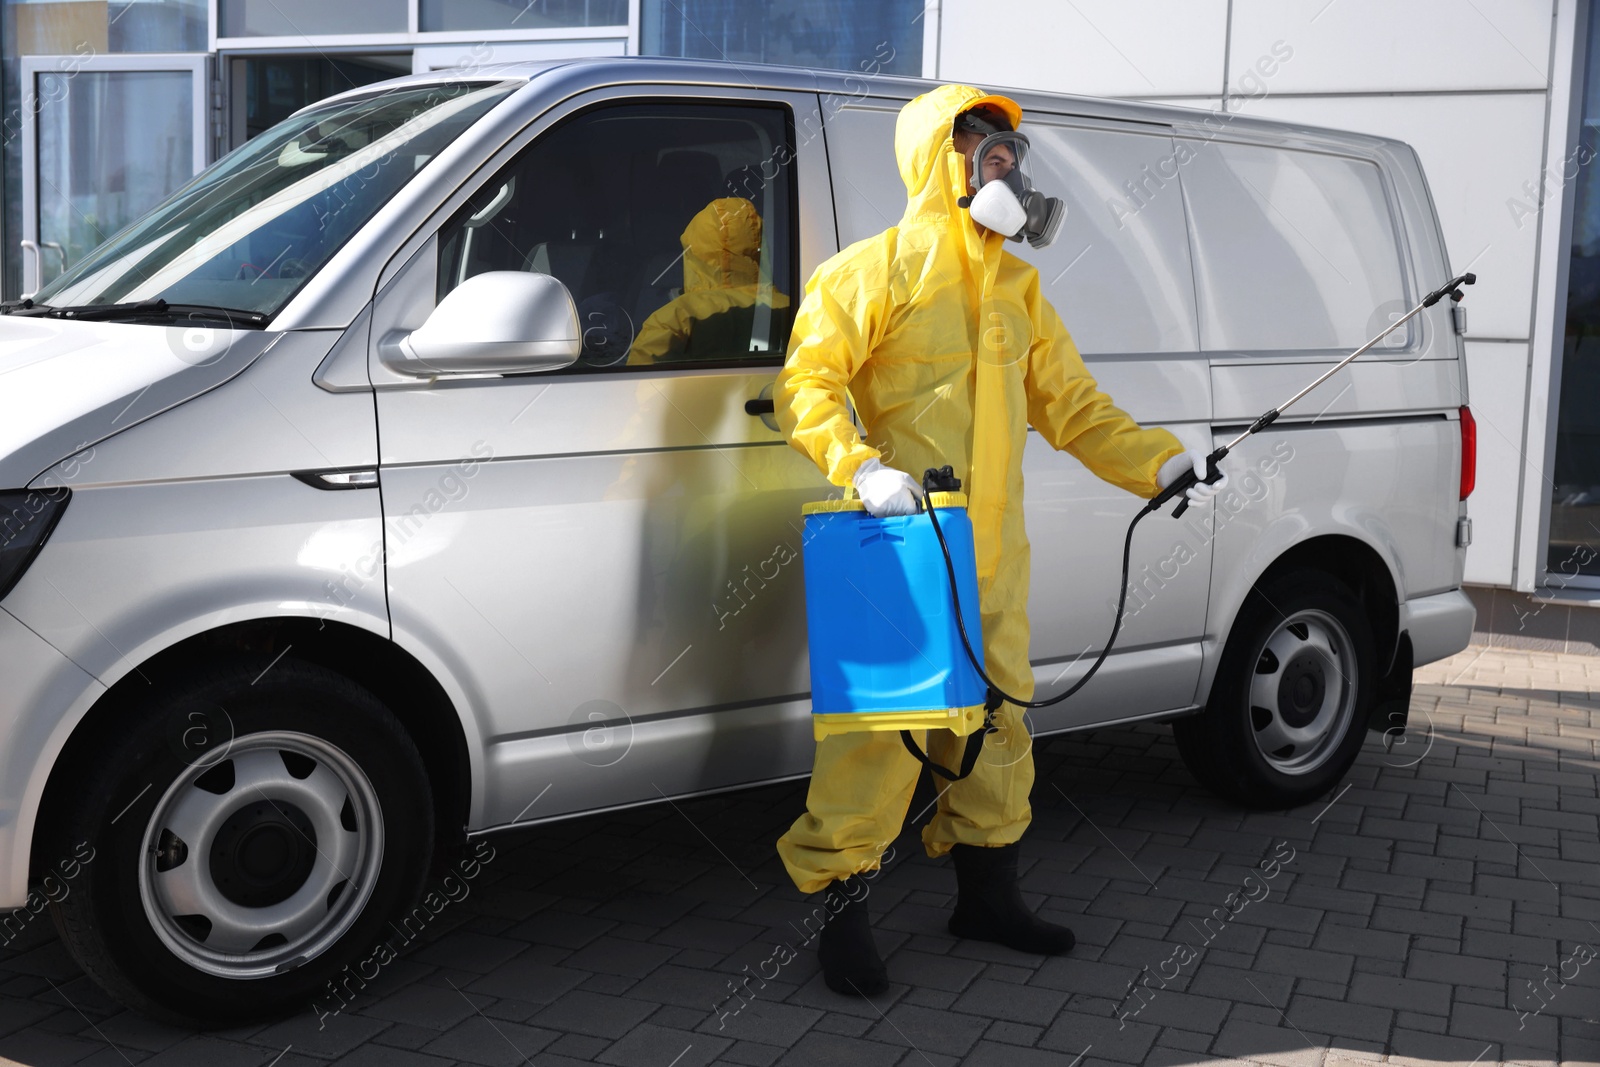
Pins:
x: 712, y: 318
x: 950, y: 351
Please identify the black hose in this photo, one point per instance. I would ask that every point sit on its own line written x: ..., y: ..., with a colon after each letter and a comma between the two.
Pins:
x: 961, y: 623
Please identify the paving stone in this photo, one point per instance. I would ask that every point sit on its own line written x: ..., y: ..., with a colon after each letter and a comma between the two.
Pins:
x: 1384, y: 885
x: 763, y: 1021
x: 525, y: 978
x: 497, y: 1042
x: 698, y: 932
x: 1073, y: 1032
x: 994, y: 1054
x: 1003, y: 1000
x: 843, y: 1025
x: 929, y: 998
x: 1457, y: 969
x: 1413, y: 1048
x: 816, y: 1048
x: 1328, y: 990
x: 753, y: 1053
x: 909, y: 1026
x: 404, y: 1035
x: 468, y: 951
x: 1247, y: 986
x: 1340, y: 1019
x: 434, y: 1007
x: 1500, y: 1025
x: 329, y: 1036
x: 595, y: 1014
x: 1186, y: 1010
x: 1405, y: 994
x: 562, y: 929
x: 613, y: 955
x: 1280, y: 1045
x: 1305, y: 963
x: 1013, y: 1033
x: 937, y: 972
x: 1084, y: 976
x: 1366, y: 945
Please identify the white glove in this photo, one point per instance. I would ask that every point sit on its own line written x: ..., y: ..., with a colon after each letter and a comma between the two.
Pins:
x: 886, y: 491
x: 1195, y: 460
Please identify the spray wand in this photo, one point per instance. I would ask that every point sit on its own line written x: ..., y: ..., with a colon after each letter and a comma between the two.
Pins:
x: 943, y: 480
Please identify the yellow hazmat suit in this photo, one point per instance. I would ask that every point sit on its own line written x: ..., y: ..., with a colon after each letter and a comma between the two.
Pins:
x: 721, y: 273
x: 949, y: 351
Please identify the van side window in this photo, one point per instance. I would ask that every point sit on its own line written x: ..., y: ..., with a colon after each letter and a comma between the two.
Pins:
x: 1118, y: 272
x: 670, y: 224
x: 1292, y: 249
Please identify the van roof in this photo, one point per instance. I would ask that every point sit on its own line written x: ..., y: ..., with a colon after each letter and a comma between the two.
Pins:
x: 568, y: 76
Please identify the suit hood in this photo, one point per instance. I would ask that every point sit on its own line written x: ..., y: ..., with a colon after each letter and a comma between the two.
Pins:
x: 924, y: 147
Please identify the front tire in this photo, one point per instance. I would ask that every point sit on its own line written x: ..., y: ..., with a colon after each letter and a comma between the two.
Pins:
x: 253, y: 827
x: 1290, y: 703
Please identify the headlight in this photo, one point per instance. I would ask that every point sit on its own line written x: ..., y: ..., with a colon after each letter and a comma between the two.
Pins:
x: 26, y: 518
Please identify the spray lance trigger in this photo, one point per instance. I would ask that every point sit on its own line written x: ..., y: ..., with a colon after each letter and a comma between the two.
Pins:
x: 1183, y: 481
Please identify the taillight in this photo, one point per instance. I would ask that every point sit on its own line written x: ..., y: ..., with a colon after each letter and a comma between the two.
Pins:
x: 1469, y: 451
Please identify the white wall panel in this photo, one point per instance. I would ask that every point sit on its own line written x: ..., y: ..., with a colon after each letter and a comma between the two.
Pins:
x: 1477, y: 152
x: 1497, y: 387
x: 1381, y: 45
x: 1092, y: 47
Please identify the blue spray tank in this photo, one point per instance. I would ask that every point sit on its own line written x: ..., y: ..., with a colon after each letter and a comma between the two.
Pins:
x: 886, y: 651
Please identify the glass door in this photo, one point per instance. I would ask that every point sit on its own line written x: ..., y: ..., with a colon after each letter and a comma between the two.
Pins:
x: 1572, y: 555
x: 105, y: 138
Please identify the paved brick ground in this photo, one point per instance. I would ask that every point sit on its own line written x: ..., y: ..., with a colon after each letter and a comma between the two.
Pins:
x: 1444, y: 907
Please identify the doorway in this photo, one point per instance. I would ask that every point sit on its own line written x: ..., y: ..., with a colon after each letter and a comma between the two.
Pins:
x: 107, y: 137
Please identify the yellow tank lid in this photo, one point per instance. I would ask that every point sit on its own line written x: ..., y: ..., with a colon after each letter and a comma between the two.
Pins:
x: 822, y: 507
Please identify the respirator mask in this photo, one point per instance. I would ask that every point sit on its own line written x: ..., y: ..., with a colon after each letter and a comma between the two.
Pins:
x: 1005, y: 200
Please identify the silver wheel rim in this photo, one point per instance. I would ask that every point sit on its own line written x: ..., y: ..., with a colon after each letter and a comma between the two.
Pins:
x: 212, y: 857
x: 1303, y: 692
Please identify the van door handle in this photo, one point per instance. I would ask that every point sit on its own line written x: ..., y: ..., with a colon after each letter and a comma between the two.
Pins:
x: 758, y: 406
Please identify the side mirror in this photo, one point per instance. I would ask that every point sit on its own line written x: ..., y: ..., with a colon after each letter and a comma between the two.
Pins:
x: 498, y: 322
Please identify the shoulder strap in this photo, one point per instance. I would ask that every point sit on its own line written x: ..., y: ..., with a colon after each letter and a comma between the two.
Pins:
x: 969, y: 756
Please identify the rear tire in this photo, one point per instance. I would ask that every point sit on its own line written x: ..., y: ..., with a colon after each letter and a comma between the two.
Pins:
x: 1289, y: 707
x: 253, y: 826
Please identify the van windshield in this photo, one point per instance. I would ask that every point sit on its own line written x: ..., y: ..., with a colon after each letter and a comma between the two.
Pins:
x: 251, y: 229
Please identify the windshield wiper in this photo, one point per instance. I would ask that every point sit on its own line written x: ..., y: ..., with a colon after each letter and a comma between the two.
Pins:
x: 25, y: 306
x: 158, y: 308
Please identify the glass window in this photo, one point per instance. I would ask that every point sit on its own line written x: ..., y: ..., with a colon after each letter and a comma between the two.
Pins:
x: 521, y: 14
x: 116, y: 144
x: 1292, y: 250
x: 306, y: 18
x: 670, y: 224
x: 1574, y: 546
x: 250, y: 230
x: 1120, y: 280
x: 884, y: 36
x: 275, y: 87
x: 71, y: 27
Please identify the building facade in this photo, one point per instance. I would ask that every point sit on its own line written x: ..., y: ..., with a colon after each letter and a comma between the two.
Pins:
x: 111, y: 104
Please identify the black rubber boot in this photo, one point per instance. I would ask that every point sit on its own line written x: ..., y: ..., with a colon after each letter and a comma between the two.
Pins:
x: 989, y: 906
x: 850, y: 961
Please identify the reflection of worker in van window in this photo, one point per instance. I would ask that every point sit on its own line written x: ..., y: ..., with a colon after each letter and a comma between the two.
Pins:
x: 949, y: 350
x: 714, y: 317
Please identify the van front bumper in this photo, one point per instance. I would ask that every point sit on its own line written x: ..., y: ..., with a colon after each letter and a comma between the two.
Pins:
x: 1439, y: 625
x: 41, y: 693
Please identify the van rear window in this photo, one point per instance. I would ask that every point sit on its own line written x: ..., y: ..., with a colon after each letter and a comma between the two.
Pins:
x: 1293, y: 250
